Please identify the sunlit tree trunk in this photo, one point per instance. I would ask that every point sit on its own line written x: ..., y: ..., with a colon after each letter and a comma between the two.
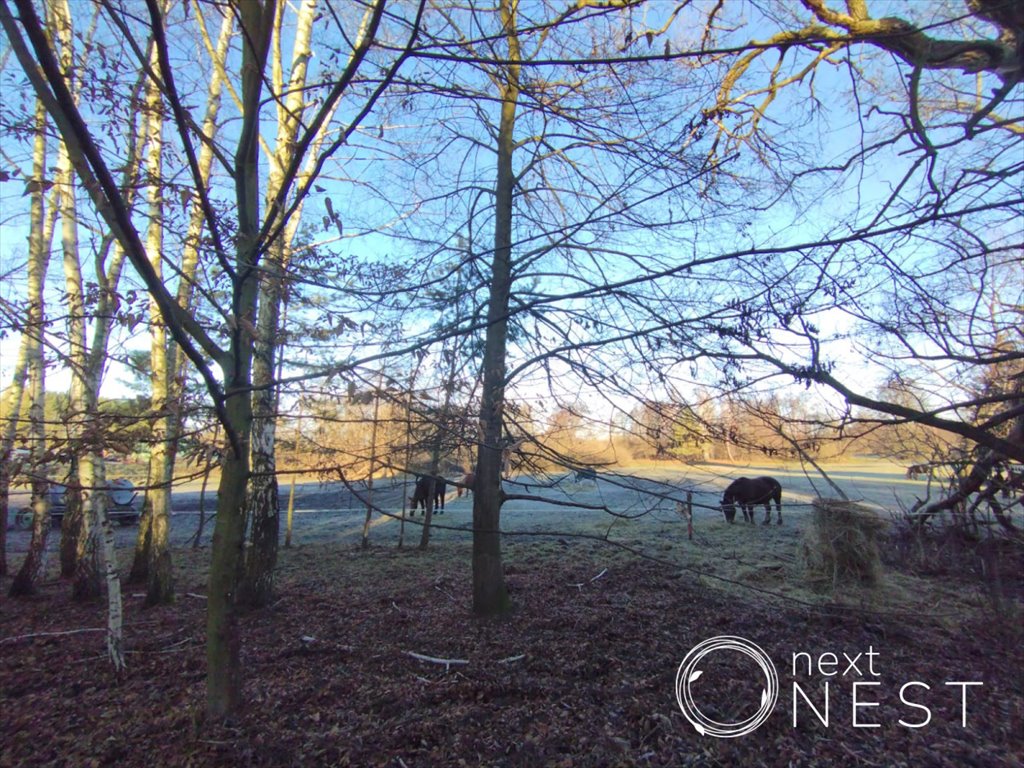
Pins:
x: 152, y: 564
x: 263, y: 503
x: 12, y: 405
x: 223, y: 641
x: 25, y: 580
x: 490, y: 595
x: 74, y: 525
x: 159, y: 574
x: 100, y: 552
x: 373, y: 466
x: 81, y: 555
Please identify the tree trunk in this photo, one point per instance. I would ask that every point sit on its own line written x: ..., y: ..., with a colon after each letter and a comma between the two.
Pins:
x: 428, y: 513
x: 263, y: 503
x: 152, y: 559
x: 490, y: 596
x: 159, y: 574
x: 223, y: 642
x: 263, y: 511
x: 13, y: 398
x: 373, y: 467
x: 78, y: 546
x: 24, y: 582
x: 291, y: 512
x: 95, y: 469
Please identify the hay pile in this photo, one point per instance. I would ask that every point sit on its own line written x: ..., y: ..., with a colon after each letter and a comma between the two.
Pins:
x: 841, y: 544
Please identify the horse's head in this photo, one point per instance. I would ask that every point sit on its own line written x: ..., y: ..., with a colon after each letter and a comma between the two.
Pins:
x: 729, y: 508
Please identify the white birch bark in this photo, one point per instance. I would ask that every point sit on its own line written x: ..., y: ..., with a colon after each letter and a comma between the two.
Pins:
x: 160, y: 587
x: 77, y: 557
x: 11, y: 406
x: 263, y: 498
x: 40, y: 233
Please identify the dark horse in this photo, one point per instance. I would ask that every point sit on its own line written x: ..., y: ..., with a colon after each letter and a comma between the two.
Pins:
x: 747, y: 493
x: 424, y: 486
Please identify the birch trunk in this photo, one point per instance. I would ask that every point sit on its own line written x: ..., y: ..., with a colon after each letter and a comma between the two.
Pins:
x: 11, y: 403
x: 74, y: 527
x: 263, y: 502
x: 28, y: 575
x: 151, y: 563
x: 25, y: 580
x: 77, y: 547
x: 101, y: 549
x: 159, y: 574
x: 81, y: 553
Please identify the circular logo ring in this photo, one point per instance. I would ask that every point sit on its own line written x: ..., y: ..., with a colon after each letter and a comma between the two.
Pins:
x: 688, y: 673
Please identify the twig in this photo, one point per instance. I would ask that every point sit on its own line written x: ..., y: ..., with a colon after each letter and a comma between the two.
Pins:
x: 35, y: 635
x: 434, y: 660
x: 511, y: 659
x: 582, y: 584
x: 449, y: 595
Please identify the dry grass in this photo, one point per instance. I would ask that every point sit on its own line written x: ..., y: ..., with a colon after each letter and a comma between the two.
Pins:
x: 841, y: 545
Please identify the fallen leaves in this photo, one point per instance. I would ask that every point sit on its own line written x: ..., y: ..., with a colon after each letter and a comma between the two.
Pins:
x: 374, y: 659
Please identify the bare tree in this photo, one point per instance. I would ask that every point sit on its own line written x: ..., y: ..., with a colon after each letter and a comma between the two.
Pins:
x: 927, y: 276
x: 253, y: 235
x: 866, y: 197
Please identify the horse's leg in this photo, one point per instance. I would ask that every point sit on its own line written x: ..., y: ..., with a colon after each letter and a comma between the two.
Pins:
x: 778, y: 509
x: 768, y: 512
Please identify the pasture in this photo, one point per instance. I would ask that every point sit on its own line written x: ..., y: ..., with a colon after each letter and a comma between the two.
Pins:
x: 371, y: 657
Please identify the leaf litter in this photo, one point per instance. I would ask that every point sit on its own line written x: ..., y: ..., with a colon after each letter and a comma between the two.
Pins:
x: 373, y: 658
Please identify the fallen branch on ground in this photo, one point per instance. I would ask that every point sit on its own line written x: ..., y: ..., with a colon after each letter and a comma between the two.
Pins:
x: 582, y: 584
x: 434, y: 660
x: 35, y: 635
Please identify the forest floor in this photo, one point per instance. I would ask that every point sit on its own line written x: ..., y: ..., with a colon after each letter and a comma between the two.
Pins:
x: 372, y: 657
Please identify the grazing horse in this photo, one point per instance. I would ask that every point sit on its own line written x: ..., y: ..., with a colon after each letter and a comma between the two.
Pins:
x: 915, y: 471
x: 747, y: 493
x: 468, y: 481
x: 426, y: 484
